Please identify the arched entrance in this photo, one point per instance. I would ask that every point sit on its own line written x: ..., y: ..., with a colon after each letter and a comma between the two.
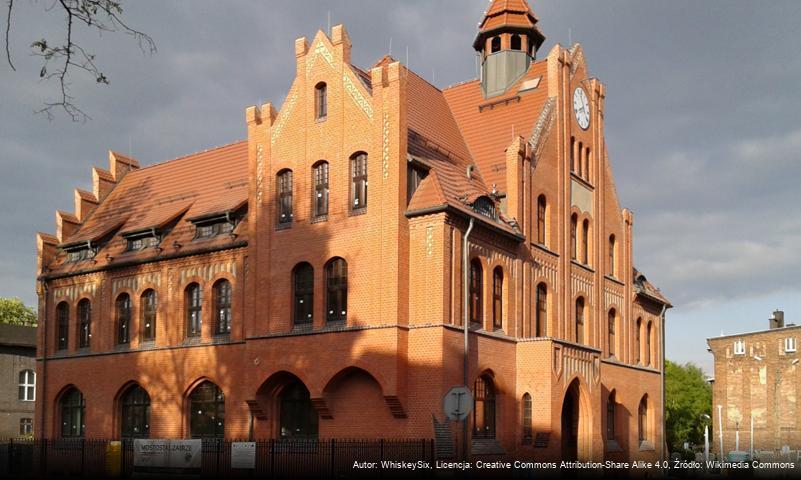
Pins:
x: 570, y: 420
x: 484, y: 408
x: 289, y: 411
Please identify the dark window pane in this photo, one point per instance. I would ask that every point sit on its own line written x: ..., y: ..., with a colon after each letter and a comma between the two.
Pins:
x: 135, y: 413
x: 321, y: 189
x: 84, y: 323
x: 285, y: 197
x: 123, y: 318
x: 303, y: 285
x: 298, y: 417
x: 476, y: 315
x: 207, y: 411
x: 222, y: 307
x: 336, y: 287
x: 63, y: 319
x: 359, y: 181
x: 149, y: 308
x: 72, y: 414
x: 194, y: 310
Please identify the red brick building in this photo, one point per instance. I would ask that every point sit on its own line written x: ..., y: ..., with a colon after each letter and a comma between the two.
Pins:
x: 310, y: 280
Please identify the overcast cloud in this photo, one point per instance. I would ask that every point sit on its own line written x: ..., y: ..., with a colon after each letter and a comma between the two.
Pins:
x: 703, y: 122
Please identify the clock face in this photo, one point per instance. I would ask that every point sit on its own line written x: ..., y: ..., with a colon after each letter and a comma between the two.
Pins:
x: 581, y: 107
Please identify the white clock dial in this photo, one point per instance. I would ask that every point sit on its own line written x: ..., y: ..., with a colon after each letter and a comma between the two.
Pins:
x: 581, y: 107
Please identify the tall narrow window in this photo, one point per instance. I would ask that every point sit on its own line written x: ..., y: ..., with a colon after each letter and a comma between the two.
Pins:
x: 587, y: 163
x: 303, y: 283
x: 321, y: 101
x: 642, y: 420
x: 579, y: 159
x: 476, y: 288
x: 194, y: 310
x: 612, y: 255
x: 515, y: 42
x: 573, y: 241
x: 585, y: 242
x: 542, y: 311
x: 84, y: 323
x: 320, y: 189
x: 72, y: 408
x: 358, y: 171
x: 495, y: 45
x: 638, y: 341
x: 222, y: 307
x: 497, y: 298
x: 63, y: 320
x: 336, y: 290
x: 149, y: 308
x: 484, y: 408
x: 298, y: 418
x: 207, y: 411
x: 611, y: 327
x: 135, y: 414
x: 580, y: 320
x: 541, y: 219
x: 527, y: 431
x: 123, y: 319
x: 285, y: 197
x: 573, y: 162
x: 648, y: 333
x: 610, y: 416
x: 27, y: 385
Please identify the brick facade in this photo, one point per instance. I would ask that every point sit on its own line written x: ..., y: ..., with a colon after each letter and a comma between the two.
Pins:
x: 384, y: 371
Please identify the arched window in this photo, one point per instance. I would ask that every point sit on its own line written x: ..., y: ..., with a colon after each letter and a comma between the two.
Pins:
x: 541, y: 204
x: 303, y: 284
x: 72, y: 408
x: 484, y: 408
x: 358, y: 188
x: 207, y: 411
x: 497, y: 298
x: 63, y: 320
x: 527, y: 429
x: 648, y: 333
x: 642, y: 420
x: 123, y: 319
x: 285, y: 197
x: 84, y: 323
x: 222, y: 307
x: 585, y: 242
x: 320, y: 172
x: 193, y: 299
x: 515, y: 42
x: 476, y: 292
x: 573, y: 160
x: 485, y: 206
x: 27, y: 385
x: 135, y: 415
x: 580, y: 320
x: 495, y: 45
x: 321, y: 101
x: 149, y: 307
x: 587, y: 163
x: 542, y: 311
x: 573, y: 241
x: 610, y: 416
x: 298, y: 416
x: 611, y: 331
x: 638, y: 341
x: 579, y: 159
x: 336, y: 290
x: 612, y: 255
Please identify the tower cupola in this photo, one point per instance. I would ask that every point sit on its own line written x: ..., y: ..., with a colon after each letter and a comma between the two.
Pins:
x: 507, y: 41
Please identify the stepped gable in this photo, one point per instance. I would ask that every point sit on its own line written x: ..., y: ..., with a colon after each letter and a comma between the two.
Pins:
x: 127, y: 199
x: 490, y: 125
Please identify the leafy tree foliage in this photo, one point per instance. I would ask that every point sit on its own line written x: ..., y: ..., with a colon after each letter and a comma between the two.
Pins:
x: 688, y: 397
x: 64, y: 56
x: 13, y: 311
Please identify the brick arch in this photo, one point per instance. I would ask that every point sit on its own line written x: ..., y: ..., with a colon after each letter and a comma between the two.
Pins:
x: 577, y: 389
x: 266, y: 406
x: 56, y: 428
x: 194, y: 384
x: 336, y: 380
x: 117, y: 403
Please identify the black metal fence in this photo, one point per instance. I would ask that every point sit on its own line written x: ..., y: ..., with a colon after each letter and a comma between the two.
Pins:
x: 331, y: 458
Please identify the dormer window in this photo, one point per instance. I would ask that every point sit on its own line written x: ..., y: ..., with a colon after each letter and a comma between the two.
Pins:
x: 214, y: 229
x: 142, y: 240
x: 80, y: 253
x: 486, y: 207
x: 218, y: 223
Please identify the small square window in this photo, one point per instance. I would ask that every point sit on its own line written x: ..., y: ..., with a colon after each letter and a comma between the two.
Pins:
x: 739, y: 347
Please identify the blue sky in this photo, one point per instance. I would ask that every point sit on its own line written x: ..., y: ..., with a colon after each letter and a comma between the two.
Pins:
x: 703, y: 123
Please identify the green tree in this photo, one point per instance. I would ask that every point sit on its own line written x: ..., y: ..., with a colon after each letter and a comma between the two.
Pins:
x: 13, y: 311
x: 688, y: 397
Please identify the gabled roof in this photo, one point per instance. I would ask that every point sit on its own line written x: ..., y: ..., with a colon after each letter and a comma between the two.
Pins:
x: 490, y: 125
x: 643, y: 286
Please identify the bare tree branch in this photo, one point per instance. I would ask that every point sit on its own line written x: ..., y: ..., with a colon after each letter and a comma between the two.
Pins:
x: 100, y: 15
x: 8, y: 34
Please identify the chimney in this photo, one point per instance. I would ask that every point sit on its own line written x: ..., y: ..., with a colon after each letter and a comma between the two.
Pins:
x: 777, y: 321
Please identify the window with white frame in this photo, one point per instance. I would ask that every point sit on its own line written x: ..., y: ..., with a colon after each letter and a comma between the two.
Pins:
x: 27, y: 385
x: 739, y: 347
x: 789, y: 345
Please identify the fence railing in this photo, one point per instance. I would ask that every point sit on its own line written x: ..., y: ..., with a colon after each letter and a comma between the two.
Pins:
x: 277, y: 458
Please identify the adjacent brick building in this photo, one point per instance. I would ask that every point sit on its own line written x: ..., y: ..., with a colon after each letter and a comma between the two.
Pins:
x: 757, y: 377
x: 308, y: 280
x: 17, y: 380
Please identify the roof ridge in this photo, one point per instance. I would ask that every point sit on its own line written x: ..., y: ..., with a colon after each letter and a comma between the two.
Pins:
x: 187, y: 156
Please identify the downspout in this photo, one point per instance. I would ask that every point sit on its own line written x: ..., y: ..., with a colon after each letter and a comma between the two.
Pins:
x: 43, y: 395
x: 466, y: 318
x: 664, y: 438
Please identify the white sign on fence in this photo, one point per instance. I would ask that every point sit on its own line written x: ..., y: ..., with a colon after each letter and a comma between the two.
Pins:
x: 167, y: 453
x: 243, y: 455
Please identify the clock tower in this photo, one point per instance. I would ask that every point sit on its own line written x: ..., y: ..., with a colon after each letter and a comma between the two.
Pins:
x: 507, y: 42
